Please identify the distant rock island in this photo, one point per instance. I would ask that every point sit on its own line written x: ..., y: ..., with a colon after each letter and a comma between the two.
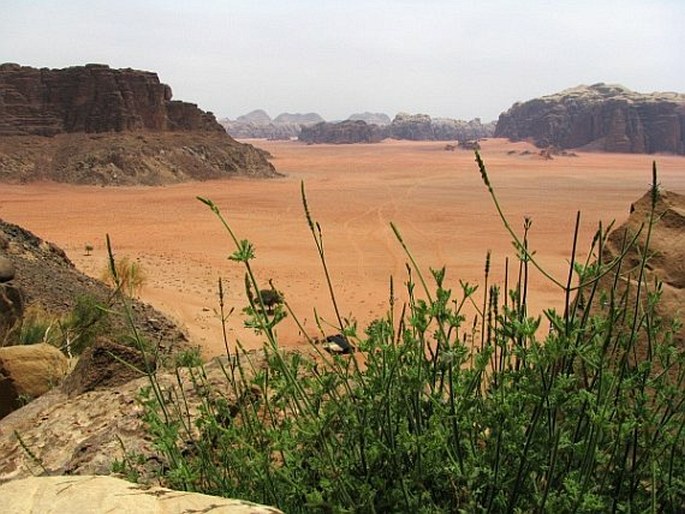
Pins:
x: 343, y: 132
x: 599, y: 117
x: 413, y: 127
x: 376, y: 118
x: 91, y: 125
x: 258, y: 124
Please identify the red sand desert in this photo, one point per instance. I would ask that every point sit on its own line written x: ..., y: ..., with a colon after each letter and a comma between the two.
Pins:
x: 435, y: 197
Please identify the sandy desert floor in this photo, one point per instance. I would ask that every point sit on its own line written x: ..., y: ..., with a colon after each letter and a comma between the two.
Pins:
x: 435, y: 197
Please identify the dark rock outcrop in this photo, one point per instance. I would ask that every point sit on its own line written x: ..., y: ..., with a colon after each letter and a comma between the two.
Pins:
x: 343, y: 132
x: 107, y: 364
x: 600, y: 117
x: 91, y: 98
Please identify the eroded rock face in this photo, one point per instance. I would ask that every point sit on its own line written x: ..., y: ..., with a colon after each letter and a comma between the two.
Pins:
x: 421, y: 127
x: 91, y: 98
x: 111, y: 127
x: 84, y: 433
x: 601, y: 117
x: 412, y: 127
x: 343, y: 132
x: 27, y: 372
x: 87, y: 494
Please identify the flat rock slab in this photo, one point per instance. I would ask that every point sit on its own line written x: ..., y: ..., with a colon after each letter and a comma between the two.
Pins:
x: 90, y: 494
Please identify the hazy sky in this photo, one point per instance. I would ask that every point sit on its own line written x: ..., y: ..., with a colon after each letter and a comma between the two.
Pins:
x: 453, y: 58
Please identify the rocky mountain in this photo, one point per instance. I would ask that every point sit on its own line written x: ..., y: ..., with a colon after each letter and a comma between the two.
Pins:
x: 91, y: 98
x: 412, y: 127
x: 343, y: 132
x: 257, y: 116
x: 375, y: 118
x: 259, y: 125
x: 421, y: 127
x: 97, y: 125
x: 309, y: 118
x: 600, y: 117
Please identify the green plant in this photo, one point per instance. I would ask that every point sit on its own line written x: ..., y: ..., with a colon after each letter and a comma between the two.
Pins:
x: 72, y: 332
x: 88, y: 249
x: 188, y: 358
x: 434, y: 414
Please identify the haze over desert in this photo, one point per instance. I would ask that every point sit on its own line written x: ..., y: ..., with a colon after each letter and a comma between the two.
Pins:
x: 435, y: 197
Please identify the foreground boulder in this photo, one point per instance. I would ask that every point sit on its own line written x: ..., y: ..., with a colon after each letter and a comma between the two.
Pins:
x: 72, y: 433
x: 599, y: 117
x: 27, y: 372
x: 87, y: 494
x: 107, y: 364
x: 666, y: 254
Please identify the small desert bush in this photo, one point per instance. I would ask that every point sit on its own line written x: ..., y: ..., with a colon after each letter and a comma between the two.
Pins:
x: 511, y: 413
x: 126, y: 275
x: 73, y: 332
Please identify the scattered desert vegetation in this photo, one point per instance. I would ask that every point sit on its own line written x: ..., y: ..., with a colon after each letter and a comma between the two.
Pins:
x: 577, y: 410
x: 125, y: 274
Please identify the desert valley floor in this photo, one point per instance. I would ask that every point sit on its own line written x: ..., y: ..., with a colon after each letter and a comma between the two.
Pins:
x: 435, y: 197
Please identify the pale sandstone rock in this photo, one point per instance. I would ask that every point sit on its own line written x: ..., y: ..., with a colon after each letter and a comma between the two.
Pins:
x: 94, y: 494
x: 27, y: 372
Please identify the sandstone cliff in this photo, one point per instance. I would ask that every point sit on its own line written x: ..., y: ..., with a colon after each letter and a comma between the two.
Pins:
x: 110, y: 127
x: 412, y: 127
x: 344, y: 132
x: 91, y: 98
x: 600, y: 117
x: 421, y: 127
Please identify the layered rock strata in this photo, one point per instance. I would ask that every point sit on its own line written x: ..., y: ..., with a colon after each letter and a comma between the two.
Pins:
x: 604, y: 117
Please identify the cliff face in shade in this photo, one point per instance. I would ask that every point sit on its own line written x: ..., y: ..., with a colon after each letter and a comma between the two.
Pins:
x: 93, y: 98
x: 600, y: 117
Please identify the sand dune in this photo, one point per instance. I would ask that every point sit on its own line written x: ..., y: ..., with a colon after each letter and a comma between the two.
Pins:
x: 435, y: 197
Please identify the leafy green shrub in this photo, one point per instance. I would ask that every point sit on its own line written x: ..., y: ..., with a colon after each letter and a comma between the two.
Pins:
x: 188, y: 358
x: 437, y: 415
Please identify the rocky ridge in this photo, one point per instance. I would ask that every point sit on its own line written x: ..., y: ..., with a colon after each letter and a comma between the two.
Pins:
x: 599, y: 117
x: 97, y: 125
x: 47, y: 278
x: 344, y: 132
x: 92, y: 98
x: 258, y: 124
x: 412, y: 127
